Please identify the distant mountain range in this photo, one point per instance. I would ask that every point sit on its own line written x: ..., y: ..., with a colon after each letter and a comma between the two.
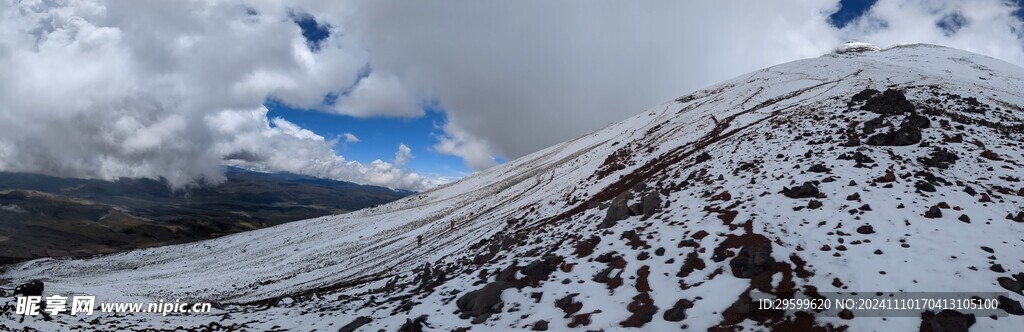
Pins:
x: 46, y: 216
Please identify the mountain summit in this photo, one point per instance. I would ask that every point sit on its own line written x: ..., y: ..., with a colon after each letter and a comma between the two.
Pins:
x: 891, y: 170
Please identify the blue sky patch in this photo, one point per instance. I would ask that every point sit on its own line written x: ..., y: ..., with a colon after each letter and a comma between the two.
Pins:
x: 379, y: 137
x: 849, y: 10
x: 951, y: 23
x: 313, y: 31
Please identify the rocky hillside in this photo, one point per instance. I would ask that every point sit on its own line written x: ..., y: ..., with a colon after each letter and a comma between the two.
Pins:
x: 892, y: 170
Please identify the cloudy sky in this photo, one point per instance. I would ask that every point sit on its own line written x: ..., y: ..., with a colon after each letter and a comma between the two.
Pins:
x: 404, y: 94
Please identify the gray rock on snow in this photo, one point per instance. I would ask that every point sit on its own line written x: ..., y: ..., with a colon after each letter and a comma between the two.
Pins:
x: 618, y: 210
x: 483, y: 302
x: 650, y: 203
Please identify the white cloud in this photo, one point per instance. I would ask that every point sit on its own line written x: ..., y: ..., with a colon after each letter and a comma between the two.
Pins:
x: 523, y: 75
x: 990, y: 29
x: 350, y: 138
x: 403, y: 155
x: 473, y: 151
x: 295, y: 131
x: 250, y: 141
x: 379, y: 95
x: 107, y: 89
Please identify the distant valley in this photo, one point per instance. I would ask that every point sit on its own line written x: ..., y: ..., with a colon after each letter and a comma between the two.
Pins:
x: 45, y: 216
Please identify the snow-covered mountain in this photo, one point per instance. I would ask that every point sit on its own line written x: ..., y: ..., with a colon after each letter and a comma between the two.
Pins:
x: 892, y: 170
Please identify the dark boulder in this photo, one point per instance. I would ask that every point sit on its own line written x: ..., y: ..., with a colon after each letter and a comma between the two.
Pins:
x: 31, y: 288
x: 618, y: 210
x: 483, y: 302
x: 933, y: 212
x: 917, y: 121
x: 356, y: 324
x: 650, y: 203
x: 818, y: 168
x: 1015, y: 284
x: 1011, y: 306
x: 752, y: 260
x: 946, y: 321
x: 901, y: 137
x: 863, y: 95
x: 541, y: 325
x: 643, y: 310
x: 677, y: 313
x: 924, y: 186
x: 806, y: 190
x: 890, y: 102
x: 866, y: 229
x: 871, y: 125
x: 413, y: 325
x: 940, y: 158
x: 635, y: 209
x: 540, y: 270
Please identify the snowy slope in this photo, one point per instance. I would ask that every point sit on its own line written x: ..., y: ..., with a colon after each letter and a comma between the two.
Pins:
x: 722, y: 163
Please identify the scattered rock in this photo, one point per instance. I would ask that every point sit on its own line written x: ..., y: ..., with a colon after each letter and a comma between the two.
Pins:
x: 814, y: 204
x: 569, y: 305
x: 933, y: 212
x: 413, y: 325
x: 990, y: 155
x: 964, y: 218
x: 752, y: 260
x: 806, y: 190
x: 540, y: 270
x: 924, y: 186
x: 939, y: 158
x: 356, y: 324
x: 946, y: 321
x: 541, y: 325
x: 903, y: 136
x: 1011, y: 306
x: 650, y: 203
x: 890, y: 102
x: 31, y: 288
x: 618, y: 210
x: 677, y: 313
x: 863, y: 95
x: 702, y: 158
x: 917, y: 121
x: 643, y: 310
x: 888, y: 177
x: 1016, y: 284
x: 866, y: 229
x: 483, y: 302
x: 871, y: 125
x: 586, y: 247
x: 635, y: 209
x: 819, y: 168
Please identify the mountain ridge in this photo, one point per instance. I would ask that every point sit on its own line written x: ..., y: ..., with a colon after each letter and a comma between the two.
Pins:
x: 781, y: 181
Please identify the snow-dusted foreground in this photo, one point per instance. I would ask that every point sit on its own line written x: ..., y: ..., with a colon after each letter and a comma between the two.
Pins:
x: 919, y: 190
